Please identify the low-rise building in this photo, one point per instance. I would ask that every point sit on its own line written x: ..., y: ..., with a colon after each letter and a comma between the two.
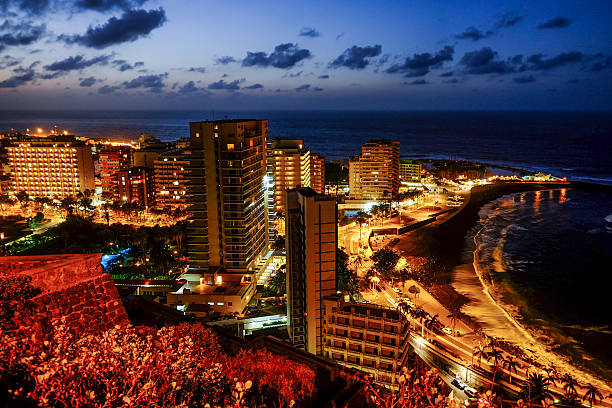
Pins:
x: 410, y: 172
x: 365, y: 336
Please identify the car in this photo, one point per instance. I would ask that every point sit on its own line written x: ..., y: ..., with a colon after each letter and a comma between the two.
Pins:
x: 396, y: 290
x: 470, y: 392
x: 458, y: 383
x: 447, y: 330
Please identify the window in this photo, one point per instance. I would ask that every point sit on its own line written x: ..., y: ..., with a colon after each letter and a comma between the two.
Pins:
x: 230, y: 147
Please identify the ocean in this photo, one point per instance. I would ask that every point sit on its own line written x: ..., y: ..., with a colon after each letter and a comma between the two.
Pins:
x: 546, y: 256
x: 572, y: 144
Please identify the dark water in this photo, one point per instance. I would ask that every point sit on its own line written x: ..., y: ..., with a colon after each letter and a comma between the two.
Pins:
x: 573, y: 144
x: 549, y: 255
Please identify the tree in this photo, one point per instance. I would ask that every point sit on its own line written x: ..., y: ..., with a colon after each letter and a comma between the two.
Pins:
x: 22, y: 197
x: 68, y: 203
x: 536, y: 388
x: 511, y: 364
x: 480, y: 352
x: 346, y: 278
x: 278, y: 283
x: 35, y: 221
x: 385, y: 261
x: 592, y: 394
x: 279, y: 243
x: 455, y: 313
x: 496, y: 355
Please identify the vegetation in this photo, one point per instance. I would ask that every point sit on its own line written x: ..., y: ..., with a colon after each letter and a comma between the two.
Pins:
x: 174, y: 366
x: 347, y: 279
x: 277, y: 284
x: 385, y: 261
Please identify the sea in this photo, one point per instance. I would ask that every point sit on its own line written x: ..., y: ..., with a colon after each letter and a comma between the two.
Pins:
x: 549, y: 254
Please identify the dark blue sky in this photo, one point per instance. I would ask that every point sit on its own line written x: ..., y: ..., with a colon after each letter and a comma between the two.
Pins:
x: 185, y: 54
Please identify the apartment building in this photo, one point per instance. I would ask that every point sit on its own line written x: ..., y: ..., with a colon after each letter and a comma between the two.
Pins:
x: 312, y: 241
x: 366, y: 336
x: 54, y: 166
x: 374, y: 175
x: 317, y: 173
x: 410, y: 173
x: 289, y: 162
x: 135, y: 186
x: 170, y: 175
x: 112, y: 160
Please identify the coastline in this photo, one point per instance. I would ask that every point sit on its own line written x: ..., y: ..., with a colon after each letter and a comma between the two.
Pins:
x: 481, y: 306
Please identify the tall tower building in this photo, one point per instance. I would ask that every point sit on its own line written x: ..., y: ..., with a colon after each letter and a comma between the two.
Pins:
x: 375, y: 174
x: 112, y: 161
x: 317, y: 173
x: 54, y: 166
x: 289, y: 161
x: 135, y: 186
x: 226, y: 188
x: 170, y: 175
x: 312, y: 239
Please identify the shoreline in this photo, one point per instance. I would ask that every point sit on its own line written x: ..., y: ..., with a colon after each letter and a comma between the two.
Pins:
x: 479, y: 308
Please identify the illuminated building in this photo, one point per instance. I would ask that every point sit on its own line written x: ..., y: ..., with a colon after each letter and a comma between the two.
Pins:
x: 375, y: 174
x: 317, y: 173
x: 289, y: 161
x: 312, y: 240
x: 170, y: 174
x: 56, y: 166
x: 229, y: 227
x: 410, y: 173
x: 135, y: 186
x: 366, y: 336
x: 112, y: 161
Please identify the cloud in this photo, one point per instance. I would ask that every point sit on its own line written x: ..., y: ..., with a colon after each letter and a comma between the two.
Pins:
x: 539, y: 63
x: 508, y: 19
x: 87, y: 82
x: 197, y: 69
x: 447, y: 74
x: 339, y: 36
x: 295, y: 75
x: 122, y: 65
x: 225, y: 60
x: 107, y: 89
x: 421, y: 64
x: 474, y: 34
x: 226, y: 86
x: 356, y: 57
x: 8, y: 61
x: 76, y: 62
x: 132, y: 25
x: 309, y: 32
x: 18, y: 80
x: 189, y: 87
x: 105, y: 5
x: 154, y: 83
x: 485, y: 61
x: 284, y: 56
x: 451, y: 81
x: 308, y: 87
x: 36, y: 7
x: 416, y: 82
x: 557, y: 22
x: 605, y: 64
x: 22, y: 34
x: 323, y: 77
x: 525, y: 79
x: 254, y: 86
x: 573, y: 81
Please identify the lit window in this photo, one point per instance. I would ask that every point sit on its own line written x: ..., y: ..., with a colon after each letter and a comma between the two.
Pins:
x: 230, y: 147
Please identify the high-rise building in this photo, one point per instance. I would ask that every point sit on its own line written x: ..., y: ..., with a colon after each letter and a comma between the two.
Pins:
x: 368, y: 337
x: 410, y: 172
x: 375, y: 174
x: 170, y: 175
x: 312, y: 240
x: 229, y: 228
x: 112, y: 160
x: 57, y: 166
x: 135, y: 186
x: 317, y: 173
x: 289, y: 161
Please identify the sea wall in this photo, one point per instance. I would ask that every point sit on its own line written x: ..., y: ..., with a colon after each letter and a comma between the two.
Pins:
x: 74, y: 289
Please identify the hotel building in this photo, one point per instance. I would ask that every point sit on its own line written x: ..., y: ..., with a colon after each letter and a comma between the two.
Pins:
x: 289, y: 162
x: 170, y: 175
x: 229, y: 228
x: 58, y: 166
x: 375, y: 174
x: 410, y: 173
x: 112, y: 161
x: 312, y: 240
x: 366, y: 336
x: 317, y: 173
x: 135, y: 186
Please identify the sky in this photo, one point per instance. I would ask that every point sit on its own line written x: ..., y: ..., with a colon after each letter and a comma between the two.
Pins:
x: 344, y: 54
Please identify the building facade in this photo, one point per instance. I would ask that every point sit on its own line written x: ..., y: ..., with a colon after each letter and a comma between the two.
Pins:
x: 366, y: 336
x: 57, y: 166
x: 227, y: 172
x: 170, y: 175
x: 317, y: 173
x: 135, y: 186
x: 374, y: 175
x: 289, y: 161
x: 111, y: 162
x: 312, y: 240
x: 410, y: 172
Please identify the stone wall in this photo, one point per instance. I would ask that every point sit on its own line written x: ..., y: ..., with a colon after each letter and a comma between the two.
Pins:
x: 75, y: 289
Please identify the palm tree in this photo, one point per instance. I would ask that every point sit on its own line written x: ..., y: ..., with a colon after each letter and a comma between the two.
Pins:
x: 495, y: 355
x: 361, y: 217
x: 570, y: 393
x: 536, y: 388
x: 510, y: 364
x: 455, y: 313
x: 478, y: 351
x: 592, y: 394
